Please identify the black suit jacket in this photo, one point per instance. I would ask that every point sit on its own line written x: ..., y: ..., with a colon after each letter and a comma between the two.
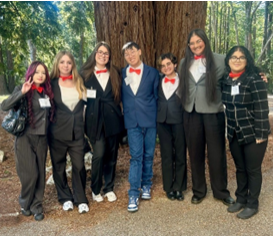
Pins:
x: 102, y: 111
x: 169, y: 111
x: 68, y: 125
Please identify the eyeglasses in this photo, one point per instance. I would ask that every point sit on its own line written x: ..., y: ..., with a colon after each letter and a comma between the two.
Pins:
x: 101, y: 53
x: 235, y: 59
x: 166, y: 65
x: 193, y: 43
x: 130, y: 53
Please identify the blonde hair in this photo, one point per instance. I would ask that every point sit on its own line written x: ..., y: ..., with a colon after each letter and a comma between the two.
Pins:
x: 76, y: 77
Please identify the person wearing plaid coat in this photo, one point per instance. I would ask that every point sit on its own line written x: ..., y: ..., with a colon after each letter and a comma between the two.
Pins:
x: 244, y: 95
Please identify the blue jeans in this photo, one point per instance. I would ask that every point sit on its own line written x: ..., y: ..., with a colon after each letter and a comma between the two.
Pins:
x: 141, y: 145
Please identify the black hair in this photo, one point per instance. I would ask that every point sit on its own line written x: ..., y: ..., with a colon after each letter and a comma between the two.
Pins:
x: 130, y: 45
x: 169, y: 56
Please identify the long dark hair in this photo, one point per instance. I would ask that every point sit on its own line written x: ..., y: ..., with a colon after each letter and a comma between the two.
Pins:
x: 210, y: 69
x: 88, y: 69
x: 46, y: 88
x: 250, y: 67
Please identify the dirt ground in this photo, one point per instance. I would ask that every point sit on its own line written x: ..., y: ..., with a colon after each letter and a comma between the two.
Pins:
x: 10, y: 185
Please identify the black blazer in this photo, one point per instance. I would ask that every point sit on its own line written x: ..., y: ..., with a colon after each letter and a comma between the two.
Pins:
x: 68, y: 125
x: 171, y: 110
x: 102, y: 111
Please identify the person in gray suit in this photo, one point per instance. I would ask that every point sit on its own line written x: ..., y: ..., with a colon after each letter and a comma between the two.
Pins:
x: 31, y: 148
x: 201, y: 73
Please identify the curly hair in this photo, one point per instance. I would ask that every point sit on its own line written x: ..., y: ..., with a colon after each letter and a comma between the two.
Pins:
x: 46, y: 88
x: 168, y: 56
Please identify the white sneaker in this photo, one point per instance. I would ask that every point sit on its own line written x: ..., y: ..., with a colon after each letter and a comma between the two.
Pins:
x: 111, y: 197
x: 68, y: 206
x: 83, y: 208
x: 97, y: 198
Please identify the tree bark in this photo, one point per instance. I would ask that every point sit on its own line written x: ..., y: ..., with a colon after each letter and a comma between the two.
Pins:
x: 214, y: 26
x: 10, y: 67
x: 3, y: 86
x: 158, y: 27
x: 236, y: 25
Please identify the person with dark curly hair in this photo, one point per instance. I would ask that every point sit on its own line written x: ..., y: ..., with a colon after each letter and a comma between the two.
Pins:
x: 31, y: 148
x: 244, y: 94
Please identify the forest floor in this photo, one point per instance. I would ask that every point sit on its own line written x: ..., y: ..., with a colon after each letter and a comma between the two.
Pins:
x: 99, y: 212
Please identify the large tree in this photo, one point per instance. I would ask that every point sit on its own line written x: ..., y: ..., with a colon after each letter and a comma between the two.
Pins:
x: 158, y: 27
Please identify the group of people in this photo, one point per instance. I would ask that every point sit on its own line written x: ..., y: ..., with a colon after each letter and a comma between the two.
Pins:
x: 184, y: 107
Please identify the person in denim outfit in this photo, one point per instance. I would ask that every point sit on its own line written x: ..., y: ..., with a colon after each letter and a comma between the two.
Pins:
x: 139, y: 97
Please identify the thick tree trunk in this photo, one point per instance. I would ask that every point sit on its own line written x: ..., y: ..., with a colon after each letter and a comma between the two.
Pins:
x: 3, y: 86
x: 158, y: 27
x: 11, y: 80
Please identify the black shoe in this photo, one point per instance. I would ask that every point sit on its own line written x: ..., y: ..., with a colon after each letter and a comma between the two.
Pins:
x: 228, y: 201
x: 247, y: 213
x: 170, y: 195
x: 39, y: 216
x: 26, y: 213
x: 235, y: 207
x: 196, y: 199
x: 179, y: 196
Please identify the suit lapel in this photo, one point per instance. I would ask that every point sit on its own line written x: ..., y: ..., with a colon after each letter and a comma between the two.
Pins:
x: 128, y: 88
x: 146, y: 71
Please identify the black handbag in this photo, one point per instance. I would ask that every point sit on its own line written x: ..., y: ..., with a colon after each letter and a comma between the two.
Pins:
x: 16, y: 120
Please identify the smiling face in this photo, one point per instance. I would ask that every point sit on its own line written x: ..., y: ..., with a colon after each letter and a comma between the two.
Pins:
x: 197, y: 45
x: 132, y: 57
x: 65, y: 66
x: 237, y: 62
x: 102, y: 57
x: 39, y: 76
x: 168, y: 68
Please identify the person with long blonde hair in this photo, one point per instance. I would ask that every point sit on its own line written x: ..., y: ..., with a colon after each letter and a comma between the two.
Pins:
x: 67, y: 132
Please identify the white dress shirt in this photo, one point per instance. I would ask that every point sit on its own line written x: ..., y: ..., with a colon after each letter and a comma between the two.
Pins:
x: 69, y: 96
x: 169, y: 88
x: 102, y: 77
x: 198, y: 68
x: 135, y: 78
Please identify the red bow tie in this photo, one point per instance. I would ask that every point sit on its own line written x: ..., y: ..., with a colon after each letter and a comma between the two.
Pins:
x: 137, y: 71
x: 169, y: 80
x: 101, y: 71
x: 232, y: 75
x: 66, y: 77
x: 196, y: 57
x: 39, y: 89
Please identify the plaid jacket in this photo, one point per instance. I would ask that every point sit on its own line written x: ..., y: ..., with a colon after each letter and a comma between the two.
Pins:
x: 247, y: 112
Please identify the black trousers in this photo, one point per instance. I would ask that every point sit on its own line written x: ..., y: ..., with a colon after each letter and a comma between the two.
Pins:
x: 173, y: 155
x: 248, y: 160
x: 105, y: 152
x: 201, y: 130
x: 31, y: 153
x: 58, y: 152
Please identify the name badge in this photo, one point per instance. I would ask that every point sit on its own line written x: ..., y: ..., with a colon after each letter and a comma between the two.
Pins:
x: 235, y: 90
x: 44, y: 102
x: 91, y: 93
x: 202, y: 69
x: 128, y: 80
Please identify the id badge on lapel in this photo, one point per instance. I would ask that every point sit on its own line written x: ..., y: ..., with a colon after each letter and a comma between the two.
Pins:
x: 235, y: 90
x: 91, y: 93
x: 128, y: 80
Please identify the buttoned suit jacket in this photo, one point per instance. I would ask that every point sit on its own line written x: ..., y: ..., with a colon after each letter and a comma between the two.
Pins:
x: 141, y: 109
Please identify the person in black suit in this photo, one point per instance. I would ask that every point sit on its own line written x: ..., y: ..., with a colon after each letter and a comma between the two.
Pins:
x: 66, y: 134
x: 31, y: 148
x: 103, y: 119
x: 170, y: 130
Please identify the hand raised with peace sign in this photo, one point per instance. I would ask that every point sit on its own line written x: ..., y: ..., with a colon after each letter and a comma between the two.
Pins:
x: 26, y: 86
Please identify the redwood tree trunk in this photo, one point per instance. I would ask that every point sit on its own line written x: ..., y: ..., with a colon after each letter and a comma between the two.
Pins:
x: 158, y: 27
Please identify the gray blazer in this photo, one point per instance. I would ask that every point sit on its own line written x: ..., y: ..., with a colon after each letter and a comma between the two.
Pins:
x: 197, y: 92
x: 40, y: 114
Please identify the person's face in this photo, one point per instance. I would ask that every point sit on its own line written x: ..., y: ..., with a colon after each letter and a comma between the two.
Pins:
x: 197, y: 45
x: 39, y: 75
x: 65, y: 65
x: 237, y: 62
x: 102, y: 57
x: 132, y: 57
x: 168, y: 68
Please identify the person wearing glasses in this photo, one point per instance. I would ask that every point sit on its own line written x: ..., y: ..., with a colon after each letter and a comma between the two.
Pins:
x: 245, y: 96
x: 67, y: 132
x: 204, y: 122
x: 139, y: 97
x: 171, y: 130
x: 103, y: 119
